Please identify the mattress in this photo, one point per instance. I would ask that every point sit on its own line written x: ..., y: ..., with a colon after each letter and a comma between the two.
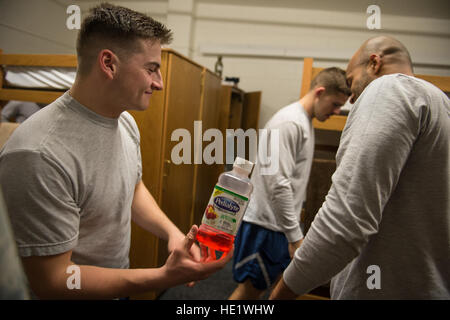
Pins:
x: 39, y: 77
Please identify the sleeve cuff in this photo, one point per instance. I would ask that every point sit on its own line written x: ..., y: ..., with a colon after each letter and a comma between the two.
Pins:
x: 294, y: 234
x: 294, y: 280
x: 47, y: 249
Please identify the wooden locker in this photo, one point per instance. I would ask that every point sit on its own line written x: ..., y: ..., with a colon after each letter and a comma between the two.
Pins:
x: 236, y: 108
x: 250, y: 120
x: 183, y: 94
x: 239, y: 109
x: 206, y: 175
x: 250, y: 112
x: 231, y: 105
x: 176, y: 107
x: 143, y: 248
x: 183, y: 108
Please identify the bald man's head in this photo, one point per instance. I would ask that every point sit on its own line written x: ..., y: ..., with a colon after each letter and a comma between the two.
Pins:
x: 390, y: 49
x: 376, y: 57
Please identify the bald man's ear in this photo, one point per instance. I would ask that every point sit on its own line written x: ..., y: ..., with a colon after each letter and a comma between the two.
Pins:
x: 375, y: 63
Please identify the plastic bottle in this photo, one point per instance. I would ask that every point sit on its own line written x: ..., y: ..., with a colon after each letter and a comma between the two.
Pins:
x: 225, y: 210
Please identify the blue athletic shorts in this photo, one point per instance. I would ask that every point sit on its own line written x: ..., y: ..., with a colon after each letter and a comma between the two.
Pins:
x: 260, y: 255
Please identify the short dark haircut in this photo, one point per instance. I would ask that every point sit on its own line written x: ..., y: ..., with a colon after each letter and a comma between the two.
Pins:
x: 115, y: 28
x: 333, y: 80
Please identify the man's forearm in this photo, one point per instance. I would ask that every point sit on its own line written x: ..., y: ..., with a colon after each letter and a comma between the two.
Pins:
x: 90, y: 282
x: 282, y: 292
x: 147, y: 214
x: 57, y: 277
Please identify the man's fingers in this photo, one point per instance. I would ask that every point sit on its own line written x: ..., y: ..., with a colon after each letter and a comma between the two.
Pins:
x: 212, y: 253
x: 190, y: 238
x: 227, y: 256
x: 195, y: 252
x: 204, y: 252
x: 222, y: 261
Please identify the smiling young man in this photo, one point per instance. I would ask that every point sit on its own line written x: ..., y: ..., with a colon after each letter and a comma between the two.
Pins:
x: 383, y: 231
x: 72, y: 172
x: 270, y: 232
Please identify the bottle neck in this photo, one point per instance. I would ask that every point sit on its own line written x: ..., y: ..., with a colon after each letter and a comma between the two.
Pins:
x: 240, y: 172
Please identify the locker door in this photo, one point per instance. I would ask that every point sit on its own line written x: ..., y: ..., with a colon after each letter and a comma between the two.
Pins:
x: 183, y: 107
x: 206, y: 174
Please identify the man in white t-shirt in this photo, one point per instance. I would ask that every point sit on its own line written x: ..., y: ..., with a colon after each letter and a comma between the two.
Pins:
x: 270, y: 232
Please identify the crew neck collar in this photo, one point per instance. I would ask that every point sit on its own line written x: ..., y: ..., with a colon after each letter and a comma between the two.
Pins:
x: 74, y: 105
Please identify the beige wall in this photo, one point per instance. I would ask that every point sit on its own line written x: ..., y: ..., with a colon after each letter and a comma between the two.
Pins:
x: 263, y: 45
x: 39, y: 26
x: 34, y: 27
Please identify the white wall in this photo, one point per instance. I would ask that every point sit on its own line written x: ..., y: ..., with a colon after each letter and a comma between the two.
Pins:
x: 39, y: 26
x: 263, y: 45
x: 34, y: 27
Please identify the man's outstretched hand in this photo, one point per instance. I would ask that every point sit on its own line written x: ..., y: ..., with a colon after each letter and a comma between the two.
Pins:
x: 184, y: 267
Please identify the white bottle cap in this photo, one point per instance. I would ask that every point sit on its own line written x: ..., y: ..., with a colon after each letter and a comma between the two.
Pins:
x: 245, y: 165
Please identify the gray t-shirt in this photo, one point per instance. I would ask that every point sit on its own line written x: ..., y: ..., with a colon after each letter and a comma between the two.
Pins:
x: 68, y: 176
x: 384, y: 228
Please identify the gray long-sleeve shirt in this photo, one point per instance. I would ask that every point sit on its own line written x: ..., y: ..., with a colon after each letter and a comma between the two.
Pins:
x: 386, y: 218
x: 277, y: 198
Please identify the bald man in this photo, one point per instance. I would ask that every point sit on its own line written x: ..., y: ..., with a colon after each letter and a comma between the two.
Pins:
x: 384, y: 230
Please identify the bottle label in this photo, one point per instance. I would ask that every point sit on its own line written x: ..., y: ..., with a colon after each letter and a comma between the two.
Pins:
x: 225, y: 210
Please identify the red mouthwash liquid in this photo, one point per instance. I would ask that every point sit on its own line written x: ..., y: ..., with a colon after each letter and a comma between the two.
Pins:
x: 225, y: 209
x: 215, y: 239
